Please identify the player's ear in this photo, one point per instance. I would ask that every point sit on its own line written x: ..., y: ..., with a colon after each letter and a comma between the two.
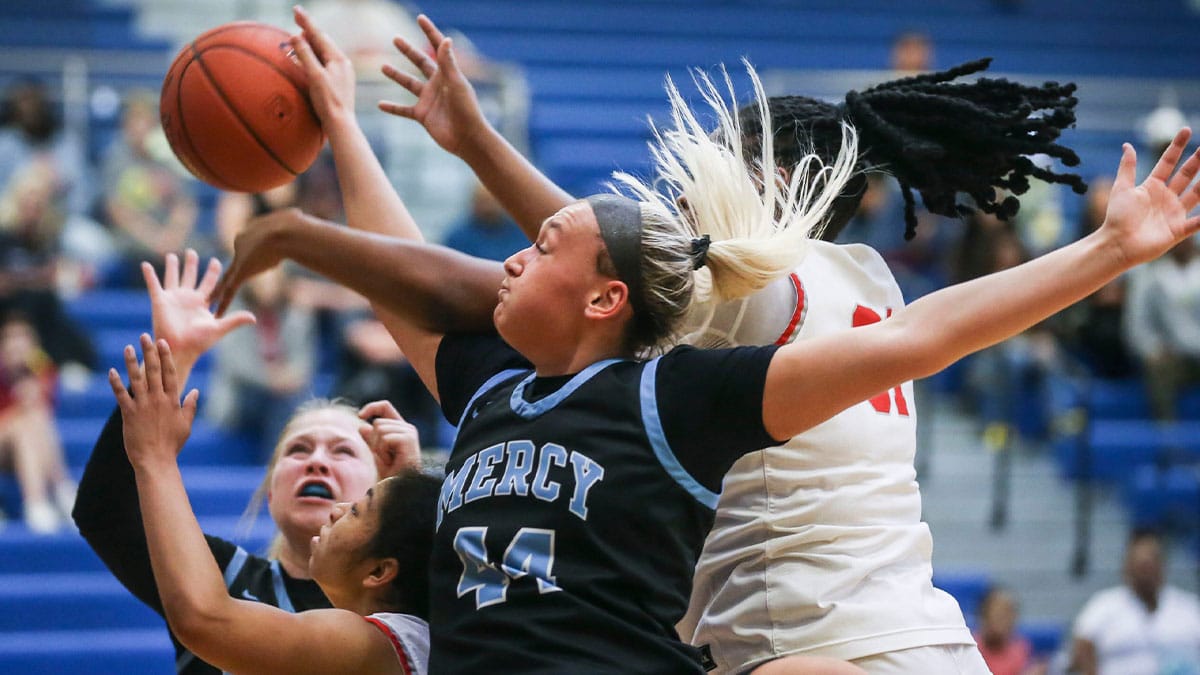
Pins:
x: 607, y: 300
x: 382, y: 574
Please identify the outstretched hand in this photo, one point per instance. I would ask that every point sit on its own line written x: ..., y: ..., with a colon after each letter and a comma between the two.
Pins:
x: 1147, y: 220
x: 180, y: 310
x: 254, y: 252
x: 446, y: 103
x: 330, y: 72
x: 156, y: 423
x: 394, y: 442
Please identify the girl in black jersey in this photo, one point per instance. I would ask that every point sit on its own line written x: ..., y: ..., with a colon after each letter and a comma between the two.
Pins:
x: 583, y: 479
x: 322, y: 458
x: 370, y: 559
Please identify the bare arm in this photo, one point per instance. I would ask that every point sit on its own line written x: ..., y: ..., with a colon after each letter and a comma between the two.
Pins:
x: 234, y: 635
x: 370, y: 201
x: 449, y: 110
x: 428, y: 290
x: 810, y: 381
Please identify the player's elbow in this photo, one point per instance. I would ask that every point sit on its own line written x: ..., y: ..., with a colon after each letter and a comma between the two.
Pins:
x: 197, y: 626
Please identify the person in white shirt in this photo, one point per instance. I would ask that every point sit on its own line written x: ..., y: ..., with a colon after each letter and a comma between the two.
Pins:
x: 1142, y: 627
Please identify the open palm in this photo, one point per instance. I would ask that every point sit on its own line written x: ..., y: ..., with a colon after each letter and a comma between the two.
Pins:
x: 180, y: 311
x: 1147, y: 220
x: 446, y: 103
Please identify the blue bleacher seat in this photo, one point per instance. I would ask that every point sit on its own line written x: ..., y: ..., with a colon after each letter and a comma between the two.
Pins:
x: 967, y: 587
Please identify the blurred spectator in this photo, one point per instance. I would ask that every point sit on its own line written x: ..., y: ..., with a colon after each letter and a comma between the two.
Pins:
x: 263, y: 372
x: 30, y: 130
x: 1091, y: 329
x: 1143, y: 627
x: 1004, y: 650
x: 29, y: 443
x: 147, y: 205
x: 372, y: 367
x: 912, y: 52
x: 30, y: 230
x: 487, y: 232
x: 1162, y: 324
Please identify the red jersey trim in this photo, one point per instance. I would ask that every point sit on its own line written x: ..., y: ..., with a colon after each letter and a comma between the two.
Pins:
x: 400, y: 654
x: 796, y: 315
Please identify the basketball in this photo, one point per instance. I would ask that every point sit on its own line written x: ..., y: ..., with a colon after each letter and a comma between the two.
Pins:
x: 235, y: 109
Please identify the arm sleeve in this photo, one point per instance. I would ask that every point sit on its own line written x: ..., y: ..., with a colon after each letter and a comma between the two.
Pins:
x: 710, y: 404
x: 109, y: 518
x: 465, y: 362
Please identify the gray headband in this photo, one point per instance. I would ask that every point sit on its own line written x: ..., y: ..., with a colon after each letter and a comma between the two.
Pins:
x: 620, y: 222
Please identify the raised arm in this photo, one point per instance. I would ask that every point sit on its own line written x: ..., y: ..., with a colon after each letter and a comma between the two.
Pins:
x: 427, y: 290
x: 106, y: 507
x: 234, y: 635
x: 812, y: 380
x: 370, y: 201
x: 449, y: 110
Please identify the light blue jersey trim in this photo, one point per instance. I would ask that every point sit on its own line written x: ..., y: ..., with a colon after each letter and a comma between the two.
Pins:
x: 658, y: 440
x: 235, y: 566
x: 487, y: 386
x: 529, y: 410
x: 281, y: 595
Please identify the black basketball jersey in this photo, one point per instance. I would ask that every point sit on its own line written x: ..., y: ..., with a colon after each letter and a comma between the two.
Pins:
x: 568, y: 528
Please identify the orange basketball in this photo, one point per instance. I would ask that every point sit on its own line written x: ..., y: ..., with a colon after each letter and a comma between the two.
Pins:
x: 235, y: 109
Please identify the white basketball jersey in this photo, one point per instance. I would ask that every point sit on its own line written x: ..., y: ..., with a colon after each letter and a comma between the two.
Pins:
x: 410, y: 638
x: 818, y: 546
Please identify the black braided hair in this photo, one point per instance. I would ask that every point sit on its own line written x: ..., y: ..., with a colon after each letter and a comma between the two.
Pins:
x: 935, y: 136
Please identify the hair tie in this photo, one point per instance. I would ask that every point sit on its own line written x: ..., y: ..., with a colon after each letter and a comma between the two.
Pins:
x: 700, y: 251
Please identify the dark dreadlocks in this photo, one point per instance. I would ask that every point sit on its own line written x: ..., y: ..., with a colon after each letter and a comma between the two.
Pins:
x: 935, y: 136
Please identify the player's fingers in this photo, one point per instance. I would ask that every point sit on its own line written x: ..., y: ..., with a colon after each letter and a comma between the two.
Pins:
x: 446, y: 57
x: 431, y: 30
x: 151, y: 365
x: 1126, y: 169
x: 308, y: 60
x: 191, y: 264
x: 1183, y: 178
x: 380, y: 408
x: 118, y: 388
x: 412, y: 84
x: 241, y: 317
x: 417, y: 57
x: 170, y: 379
x: 1191, y: 198
x: 189, y: 405
x: 171, y: 272
x: 1170, y: 157
x: 212, y: 274
x: 137, y: 380
x: 153, y: 287
x: 398, y: 110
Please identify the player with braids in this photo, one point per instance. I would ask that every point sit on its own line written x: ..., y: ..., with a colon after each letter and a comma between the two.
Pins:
x: 583, y: 478
x: 936, y: 136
